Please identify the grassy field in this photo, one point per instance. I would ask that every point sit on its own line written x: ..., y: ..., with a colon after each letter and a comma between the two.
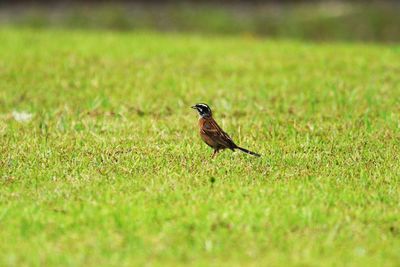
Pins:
x: 372, y: 21
x: 110, y: 170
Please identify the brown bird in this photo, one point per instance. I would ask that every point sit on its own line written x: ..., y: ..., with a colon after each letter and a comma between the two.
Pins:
x: 213, y: 135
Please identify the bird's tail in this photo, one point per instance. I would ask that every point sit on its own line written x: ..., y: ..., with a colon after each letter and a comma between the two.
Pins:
x: 248, y: 151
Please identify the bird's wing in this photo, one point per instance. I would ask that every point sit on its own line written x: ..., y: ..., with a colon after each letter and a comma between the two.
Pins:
x: 212, y: 129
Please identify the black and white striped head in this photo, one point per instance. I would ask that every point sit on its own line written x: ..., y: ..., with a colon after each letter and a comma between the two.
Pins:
x: 203, y: 109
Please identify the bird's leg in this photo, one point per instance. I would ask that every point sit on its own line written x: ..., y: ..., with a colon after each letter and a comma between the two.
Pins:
x: 215, y: 153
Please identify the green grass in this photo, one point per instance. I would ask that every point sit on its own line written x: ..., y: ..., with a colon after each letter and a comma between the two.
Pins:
x: 110, y: 171
x: 373, y: 21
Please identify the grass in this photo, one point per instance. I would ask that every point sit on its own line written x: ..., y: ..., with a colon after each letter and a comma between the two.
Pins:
x: 110, y: 171
x: 373, y: 21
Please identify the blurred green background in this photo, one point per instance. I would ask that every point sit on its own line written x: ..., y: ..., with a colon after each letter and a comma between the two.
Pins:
x: 372, y: 21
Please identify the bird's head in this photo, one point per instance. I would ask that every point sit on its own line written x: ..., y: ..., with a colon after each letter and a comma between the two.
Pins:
x: 203, y: 109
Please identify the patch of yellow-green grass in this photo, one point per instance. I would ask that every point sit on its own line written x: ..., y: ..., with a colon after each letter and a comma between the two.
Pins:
x: 110, y: 171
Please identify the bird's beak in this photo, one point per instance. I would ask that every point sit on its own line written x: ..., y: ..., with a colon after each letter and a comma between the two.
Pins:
x: 193, y: 107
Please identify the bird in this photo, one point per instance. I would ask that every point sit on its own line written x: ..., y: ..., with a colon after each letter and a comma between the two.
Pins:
x: 213, y: 135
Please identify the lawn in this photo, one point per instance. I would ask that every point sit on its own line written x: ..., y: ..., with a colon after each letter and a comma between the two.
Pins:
x: 110, y: 170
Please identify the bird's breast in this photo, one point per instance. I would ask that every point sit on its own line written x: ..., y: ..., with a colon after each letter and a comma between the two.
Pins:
x: 205, y: 124
x: 202, y: 121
